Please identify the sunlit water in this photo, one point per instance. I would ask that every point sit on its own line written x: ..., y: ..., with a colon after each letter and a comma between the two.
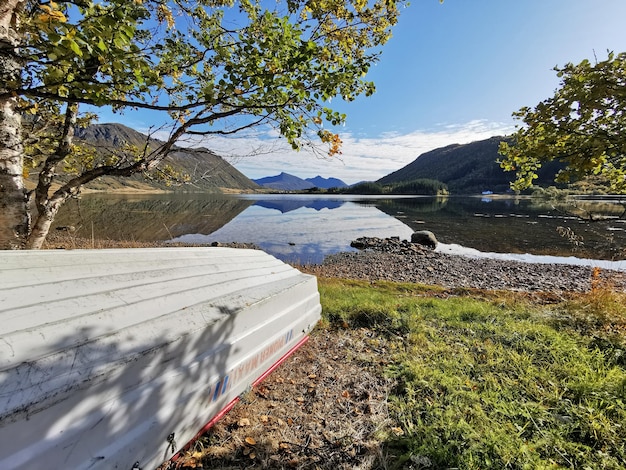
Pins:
x: 307, y: 228
x: 305, y: 234
x: 530, y: 258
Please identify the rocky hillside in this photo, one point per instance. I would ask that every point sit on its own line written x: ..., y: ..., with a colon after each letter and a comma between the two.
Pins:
x: 466, y: 169
x: 208, y: 172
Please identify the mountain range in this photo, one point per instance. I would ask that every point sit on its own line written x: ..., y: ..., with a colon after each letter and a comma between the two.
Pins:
x: 287, y: 182
x: 465, y: 169
x: 208, y: 171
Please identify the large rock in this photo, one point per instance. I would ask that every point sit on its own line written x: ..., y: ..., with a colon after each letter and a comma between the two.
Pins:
x: 425, y: 238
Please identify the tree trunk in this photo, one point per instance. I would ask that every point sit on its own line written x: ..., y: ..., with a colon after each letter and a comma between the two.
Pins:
x: 48, y: 207
x: 42, y: 224
x: 14, y: 215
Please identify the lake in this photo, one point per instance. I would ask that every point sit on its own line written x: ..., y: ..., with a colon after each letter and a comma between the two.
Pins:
x: 306, y: 228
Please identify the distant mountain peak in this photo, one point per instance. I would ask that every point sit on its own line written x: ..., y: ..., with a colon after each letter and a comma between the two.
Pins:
x: 287, y: 182
x: 284, y: 182
x: 326, y: 183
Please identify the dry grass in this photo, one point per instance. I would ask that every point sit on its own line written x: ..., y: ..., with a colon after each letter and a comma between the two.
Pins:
x: 324, y: 408
x: 65, y: 240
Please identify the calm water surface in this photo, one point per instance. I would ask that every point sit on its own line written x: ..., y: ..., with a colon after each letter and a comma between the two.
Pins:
x: 306, y: 228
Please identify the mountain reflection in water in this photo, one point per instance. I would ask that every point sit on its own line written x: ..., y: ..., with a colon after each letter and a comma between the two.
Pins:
x: 306, y: 228
x: 147, y: 218
x: 288, y: 205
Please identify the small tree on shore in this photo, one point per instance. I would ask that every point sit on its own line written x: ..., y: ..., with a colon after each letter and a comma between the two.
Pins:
x: 214, y: 66
x: 582, y: 125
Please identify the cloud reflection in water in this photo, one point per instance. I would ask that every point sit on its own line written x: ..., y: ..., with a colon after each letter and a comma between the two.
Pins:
x: 306, y: 233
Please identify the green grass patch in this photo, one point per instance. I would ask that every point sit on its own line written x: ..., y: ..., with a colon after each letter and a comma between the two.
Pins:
x: 496, y: 382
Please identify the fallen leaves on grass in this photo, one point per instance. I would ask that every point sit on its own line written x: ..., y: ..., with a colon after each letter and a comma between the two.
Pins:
x: 292, y: 420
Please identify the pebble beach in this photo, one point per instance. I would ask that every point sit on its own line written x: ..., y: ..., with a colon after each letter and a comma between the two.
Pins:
x: 394, y: 260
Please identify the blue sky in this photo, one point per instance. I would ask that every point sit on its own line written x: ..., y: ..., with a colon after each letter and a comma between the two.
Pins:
x: 452, y: 73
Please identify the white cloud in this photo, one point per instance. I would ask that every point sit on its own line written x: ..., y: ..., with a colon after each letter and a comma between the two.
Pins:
x: 363, y: 159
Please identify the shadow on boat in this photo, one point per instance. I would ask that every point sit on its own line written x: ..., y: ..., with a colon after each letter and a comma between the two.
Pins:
x: 129, y: 369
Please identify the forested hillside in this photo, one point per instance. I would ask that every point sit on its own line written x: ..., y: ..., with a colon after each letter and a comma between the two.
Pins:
x: 465, y: 169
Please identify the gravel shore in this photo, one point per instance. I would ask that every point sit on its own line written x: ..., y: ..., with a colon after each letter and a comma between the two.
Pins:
x: 394, y: 260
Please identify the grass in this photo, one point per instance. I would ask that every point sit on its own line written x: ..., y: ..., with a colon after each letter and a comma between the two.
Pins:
x: 496, y: 381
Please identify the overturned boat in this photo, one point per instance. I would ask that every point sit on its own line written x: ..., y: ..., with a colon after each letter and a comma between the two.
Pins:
x: 118, y: 358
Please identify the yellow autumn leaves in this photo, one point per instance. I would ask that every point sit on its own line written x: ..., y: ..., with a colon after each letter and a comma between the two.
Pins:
x: 164, y: 14
x: 50, y: 16
x: 333, y: 140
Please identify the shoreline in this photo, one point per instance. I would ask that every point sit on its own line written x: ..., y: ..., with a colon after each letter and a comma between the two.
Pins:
x: 401, y: 261
x: 459, y: 272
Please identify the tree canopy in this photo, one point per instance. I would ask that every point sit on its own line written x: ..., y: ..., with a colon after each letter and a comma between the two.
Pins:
x: 583, y: 125
x: 214, y: 66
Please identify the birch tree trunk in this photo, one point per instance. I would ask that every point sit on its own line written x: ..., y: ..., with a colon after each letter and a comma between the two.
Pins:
x: 14, y: 215
x: 48, y: 206
x: 44, y: 220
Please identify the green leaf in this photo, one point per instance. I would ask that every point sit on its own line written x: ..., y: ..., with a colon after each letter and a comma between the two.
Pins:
x: 75, y: 48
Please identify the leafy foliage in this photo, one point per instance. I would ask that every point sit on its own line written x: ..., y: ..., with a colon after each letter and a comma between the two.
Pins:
x: 41, y: 134
x: 582, y: 125
x: 206, y: 61
x: 216, y: 67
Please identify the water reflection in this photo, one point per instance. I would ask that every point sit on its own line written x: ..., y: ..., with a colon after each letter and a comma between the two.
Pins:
x: 517, y: 225
x: 306, y: 233
x: 306, y: 228
x: 287, y: 205
x: 148, y: 217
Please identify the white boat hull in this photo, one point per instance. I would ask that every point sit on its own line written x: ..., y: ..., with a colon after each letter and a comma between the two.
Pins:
x: 110, y: 358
